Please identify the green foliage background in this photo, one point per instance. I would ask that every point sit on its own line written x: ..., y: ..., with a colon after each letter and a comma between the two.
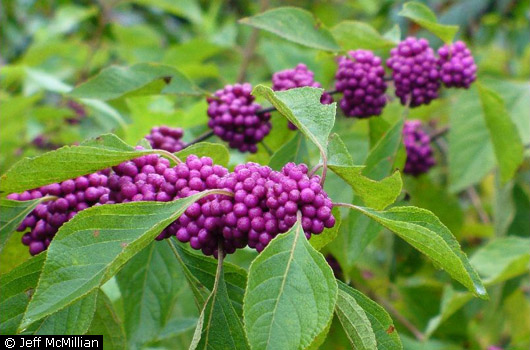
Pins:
x: 110, y: 57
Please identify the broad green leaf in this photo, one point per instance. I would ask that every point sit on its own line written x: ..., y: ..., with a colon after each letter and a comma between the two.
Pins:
x: 114, y: 81
x: 355, y: 322
x: 502, y: 259
x: 290, y: 295
x: 294, y: 24
x: 329, y: 234
x: 150, y: 284
x: 352, y: 35
x: 424, y: 231
x: 106, y: 323
x: 12, y: 214
x: 289, y: 152
x: 69, y: 162
x: 375, y: 194
x: 218, y: 152
x: 177, y: 326
x: 470, y: 153
x: 89, y: 249
x: 302, y: 107
x: 507, y: 145
x: 74, y: 319
x: 423, y: 16
x: 382, y: 325
x: 16, y: 289
x: 219, y: 326
x: 200, y: 272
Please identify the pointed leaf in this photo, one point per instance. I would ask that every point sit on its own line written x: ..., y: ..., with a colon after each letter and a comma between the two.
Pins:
x: 424, y: 231
x: 294, y: 24
x: 302, y: 107
x: 355, y: 322
x: 12, y: 214
x: 382, y: 325
x: 507, y: 145
x: 291, y: 294
x: 352, y: 35
x: 89, y: 249
x: 423, y: 16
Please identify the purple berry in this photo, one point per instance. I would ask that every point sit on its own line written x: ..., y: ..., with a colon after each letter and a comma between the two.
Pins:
x: 414, y: 72
x: 166, y: 138
x: 234, y: 118
x: 457, y: 66
x: 419, y: 152
x: 360, y: 77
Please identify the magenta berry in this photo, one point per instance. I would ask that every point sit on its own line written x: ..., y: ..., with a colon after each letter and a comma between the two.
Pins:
x: 419, y: 152
x: 234, y: 117
x: 297, y: 77
x: 414, y: 72
x: 360, y: 77
x: 457, y: 66
x: 166, y: 138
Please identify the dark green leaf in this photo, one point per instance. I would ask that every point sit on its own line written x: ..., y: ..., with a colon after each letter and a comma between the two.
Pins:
x: 296, y: 25
x: 507, y: 145
x: 89, y: 249
x: 352, y: 35
x: 106, y: 323
x: 424, y: 231
x: 291, y: 294
x: 385, y: 334
x: 423, y: 16
x: 12, y: 214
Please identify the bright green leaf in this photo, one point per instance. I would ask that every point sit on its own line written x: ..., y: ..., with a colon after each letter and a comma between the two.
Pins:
x: 352, y: 35
x: 424, y: 231
x: 296, y: 25
x: 507, y: 145
x: 423, y: 16
x: 355, y: 322
x: 89, y: 249
x: 218, y: 152
x: 291, y: 294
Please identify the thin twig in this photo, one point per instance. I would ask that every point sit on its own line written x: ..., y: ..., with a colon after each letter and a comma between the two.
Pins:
x: 168, y: 155
x: 471, y: 192
x: 314, y: 170
x: 201, y: 138
x: 248, y: 52
x: 439, y: 133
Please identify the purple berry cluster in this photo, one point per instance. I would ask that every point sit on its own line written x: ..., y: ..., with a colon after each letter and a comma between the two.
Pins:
x: 166, y: 138
x: 234, y: 117
x: 360, y: 77
x: 414, y: 72
x: 300, y: 76
x: 73, y: 196
x: 457, y: 66
x: 80, y: 112
x: 419, y: 152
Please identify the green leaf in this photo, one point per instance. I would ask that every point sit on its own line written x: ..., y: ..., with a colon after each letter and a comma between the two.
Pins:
x: 150, y: 284
x: 200, y: 272
x: 290, y: 295
x: 422, y: 15
x: 382, y: 325
x: 106, y: 323
x: 375, y: 194
x: 69, y: 162
x: 218, y: 152
x: 296, y: 25
x: 470, y: 150
x: 352, y: 35
x: 13, y: 212
x: 424, y: 231
x: 289, y: 152
x: 302, y: 107
x: 16, y: 288
x: 72, y: 320
x: 502, y: 259
x: 355, y: 322
x: 219, y: 326
x: 329, y: 234
x: 177, y: 326
x: 89, y: 249
x: 187, y: 8
x: 114, y: 82
x: 507, y: 145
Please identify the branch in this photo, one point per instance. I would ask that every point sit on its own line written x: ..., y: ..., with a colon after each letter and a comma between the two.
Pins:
x: 201, y: 138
